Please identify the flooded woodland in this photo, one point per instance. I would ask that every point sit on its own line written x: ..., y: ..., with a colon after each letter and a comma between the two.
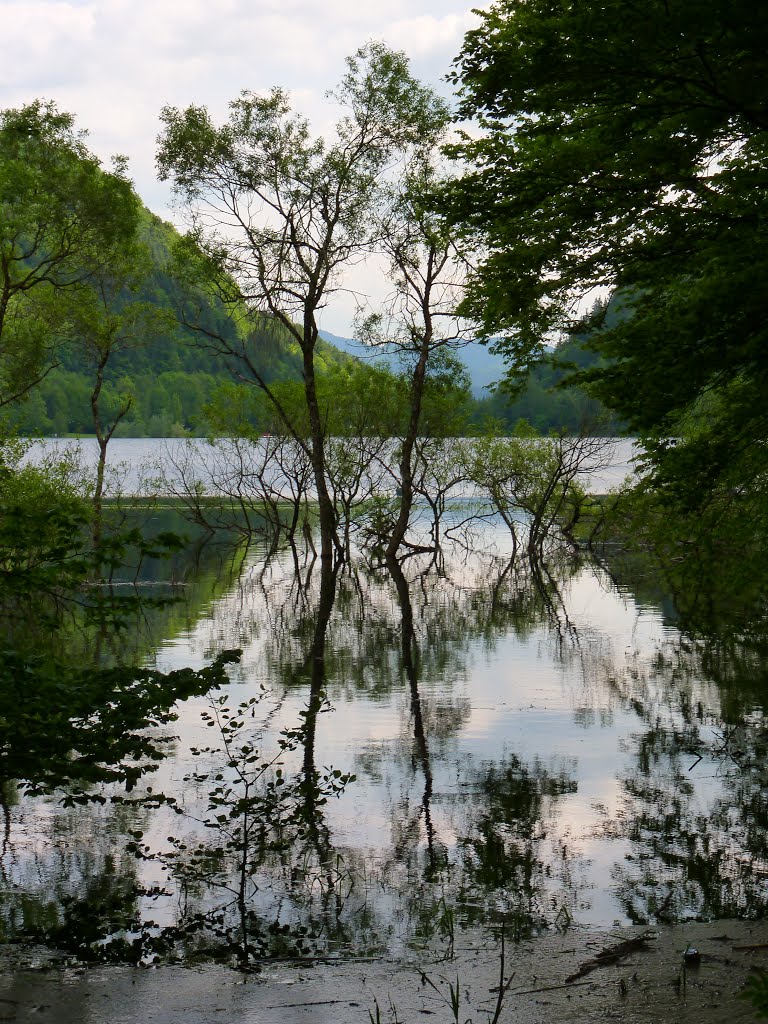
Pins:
x: 260, y: 756
x: 392, y: 676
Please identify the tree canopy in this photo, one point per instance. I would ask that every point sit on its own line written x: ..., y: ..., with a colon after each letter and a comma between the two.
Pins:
x: 283, y: 214
x: 624, y: 146
x: 62, y: 215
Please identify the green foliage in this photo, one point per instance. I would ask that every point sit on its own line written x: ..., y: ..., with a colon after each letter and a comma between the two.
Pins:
x: 283, y: 214
x: 154, y: 321
x: 446, y: 400
x: 323, y: 193
x: 43, y: 516
x: 698, y: 557
x: 536, y: 477
x: 630, y: 148
x: 63, y: 217
x: 49, y: 567
x: 255, y: 810
x: 69, y: 721
x: 362, y: 399
x: 356, y: 399
x: 545, y: 398
x: 64, y: 728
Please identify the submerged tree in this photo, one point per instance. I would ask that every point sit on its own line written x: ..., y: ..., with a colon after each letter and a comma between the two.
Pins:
x: 285, y: 214
x: 427, y: 266
x: 107, y: 319
x: 536, y: 484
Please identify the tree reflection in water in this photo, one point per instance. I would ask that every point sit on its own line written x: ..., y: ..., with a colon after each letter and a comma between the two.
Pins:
x: 695, y: 808
x: 476, y: 800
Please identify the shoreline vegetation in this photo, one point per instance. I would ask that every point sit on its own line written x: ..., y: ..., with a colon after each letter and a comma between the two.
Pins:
x: 391, y: 515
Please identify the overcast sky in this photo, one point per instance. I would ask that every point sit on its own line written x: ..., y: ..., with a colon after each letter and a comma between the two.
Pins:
x: 115, y: 63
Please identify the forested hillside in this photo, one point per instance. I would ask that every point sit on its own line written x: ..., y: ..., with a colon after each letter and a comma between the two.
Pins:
x: 168, y: 371
x: 543, y: 399
x: 113, y: 325
x: 546, y: 399
x: 545, y: 403
x: 173, y: 376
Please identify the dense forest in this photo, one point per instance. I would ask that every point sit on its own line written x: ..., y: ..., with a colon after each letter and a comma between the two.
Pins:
x: 167, y: 370
x: 547, y: 399
x: 175, y: 380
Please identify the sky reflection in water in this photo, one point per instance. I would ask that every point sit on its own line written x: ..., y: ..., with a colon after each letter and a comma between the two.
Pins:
x: 555, y: 757
x: 531, y: 743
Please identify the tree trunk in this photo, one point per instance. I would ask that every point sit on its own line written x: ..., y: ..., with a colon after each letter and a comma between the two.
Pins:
x: 103, y: 441
x: 329, y: 543
x: 406, y: 455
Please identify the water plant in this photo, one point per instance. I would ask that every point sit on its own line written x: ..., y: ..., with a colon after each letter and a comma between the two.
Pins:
x: 450, y: 995
x: 254, y: 810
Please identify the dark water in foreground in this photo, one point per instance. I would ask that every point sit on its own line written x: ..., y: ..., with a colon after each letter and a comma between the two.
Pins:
x: 534, y: 744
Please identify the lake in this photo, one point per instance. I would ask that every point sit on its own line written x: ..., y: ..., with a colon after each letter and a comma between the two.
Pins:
x: 134, y: 461
x: 537, y: 744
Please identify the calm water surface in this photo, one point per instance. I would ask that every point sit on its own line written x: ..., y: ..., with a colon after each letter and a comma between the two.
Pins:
x: 560, y: 757
x: 134, y: 462
x: 537, y: 744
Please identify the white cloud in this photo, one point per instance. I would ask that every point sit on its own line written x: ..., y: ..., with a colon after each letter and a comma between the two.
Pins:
x: 427, y: 33
x: 42, y: 40
x: 115, y: 63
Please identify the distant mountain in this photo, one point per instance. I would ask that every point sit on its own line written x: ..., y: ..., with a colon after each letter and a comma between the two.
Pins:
x: 483, y: 366
x: 355, y: 348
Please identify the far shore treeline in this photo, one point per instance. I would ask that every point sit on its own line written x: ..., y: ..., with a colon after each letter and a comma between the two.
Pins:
x: 176, y: 383
x: 601, y: 230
